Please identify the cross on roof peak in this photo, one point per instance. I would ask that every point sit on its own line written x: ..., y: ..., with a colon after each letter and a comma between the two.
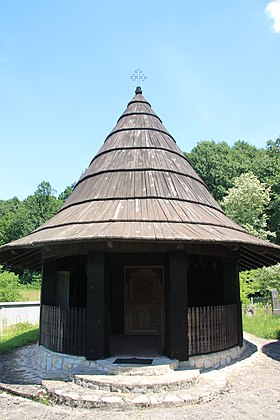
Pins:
x: 138, y: 76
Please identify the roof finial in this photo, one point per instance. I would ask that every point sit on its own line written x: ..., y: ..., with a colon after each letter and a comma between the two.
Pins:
x: 140, y: 77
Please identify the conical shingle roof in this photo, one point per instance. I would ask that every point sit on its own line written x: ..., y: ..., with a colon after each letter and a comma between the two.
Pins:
x: 141, y: 187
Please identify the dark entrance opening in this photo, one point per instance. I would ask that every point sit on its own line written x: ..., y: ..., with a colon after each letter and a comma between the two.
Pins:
x: 142, y: 313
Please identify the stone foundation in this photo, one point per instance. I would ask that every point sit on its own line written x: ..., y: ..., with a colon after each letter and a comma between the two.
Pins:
x: 214, y: 360
x: 53, y: 362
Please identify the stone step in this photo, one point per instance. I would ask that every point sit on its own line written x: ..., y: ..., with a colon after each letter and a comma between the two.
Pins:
x: 139, y: 384
x: 159, y: 366
x: 207, y: 386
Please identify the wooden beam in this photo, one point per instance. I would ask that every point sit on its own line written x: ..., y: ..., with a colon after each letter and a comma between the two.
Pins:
x: 97, y: 308
x: 48, y: 286
x: 232, y: 291
x: 133, y: 246
x: 177, y: 308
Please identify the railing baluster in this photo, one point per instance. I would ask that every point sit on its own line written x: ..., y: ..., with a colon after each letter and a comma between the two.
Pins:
x: 63, y: 330
x: 212, y: 328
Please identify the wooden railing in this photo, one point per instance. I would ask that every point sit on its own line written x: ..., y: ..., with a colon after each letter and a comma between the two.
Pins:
x: 64, y: 329
x: 212, y: 328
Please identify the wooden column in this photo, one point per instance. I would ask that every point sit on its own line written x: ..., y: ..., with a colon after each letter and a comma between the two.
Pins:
x: 177, y: 308
x: 48, y: 285
x: 232, y: 291
x: 48, y: 281
x: 97, y: 308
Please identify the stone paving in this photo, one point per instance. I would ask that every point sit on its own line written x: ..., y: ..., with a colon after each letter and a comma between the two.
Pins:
x: 253, y: 392
x: 20, y: 375
x: 19, y: 367
x: 204, y: 389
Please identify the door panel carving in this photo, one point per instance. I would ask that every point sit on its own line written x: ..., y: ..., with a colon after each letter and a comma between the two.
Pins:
x: 144, y: 300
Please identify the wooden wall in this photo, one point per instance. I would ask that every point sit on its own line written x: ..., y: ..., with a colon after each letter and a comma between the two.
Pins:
x: 97, y: 284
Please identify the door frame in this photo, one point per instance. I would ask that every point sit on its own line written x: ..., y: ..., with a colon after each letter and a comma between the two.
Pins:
x: 161, y: 331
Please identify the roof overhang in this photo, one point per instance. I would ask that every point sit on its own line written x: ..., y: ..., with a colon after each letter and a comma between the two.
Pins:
x: 31, y: 256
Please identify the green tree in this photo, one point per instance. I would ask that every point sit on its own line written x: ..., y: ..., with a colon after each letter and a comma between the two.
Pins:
x: 30, y: 278
x: 219, y: 164
x: 15, y: 224
x: 246, y: 203
x: 267, y: 169
x: 9, y: 286
x: 7, y: 206
x: 65, y: 194
x: 213, y: 163
x: 260, y: 281
x: 42, y: 205
x: 247, y: 286
x: 267, y: 279
x: 21, y: 218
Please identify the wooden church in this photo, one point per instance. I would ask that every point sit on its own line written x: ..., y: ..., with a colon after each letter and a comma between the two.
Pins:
x: 140, y: 252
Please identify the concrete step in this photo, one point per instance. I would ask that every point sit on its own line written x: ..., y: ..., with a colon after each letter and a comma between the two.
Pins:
x: 206, y: 387
x: 139, y: 384
x: 159, y: 366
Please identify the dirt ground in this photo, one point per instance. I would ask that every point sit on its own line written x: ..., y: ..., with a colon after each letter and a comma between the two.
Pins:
x: 254, y: 393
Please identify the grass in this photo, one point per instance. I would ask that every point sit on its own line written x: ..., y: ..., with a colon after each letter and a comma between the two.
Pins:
x: 43, y: 399
x: 30, y: 295
x: 262, y: 324
x: 17, y: 336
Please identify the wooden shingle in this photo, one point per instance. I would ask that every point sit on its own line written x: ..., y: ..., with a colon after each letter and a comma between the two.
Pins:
x: 141, y: 187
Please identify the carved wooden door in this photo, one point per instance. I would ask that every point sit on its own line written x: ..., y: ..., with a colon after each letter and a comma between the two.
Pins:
x: 144, y: 300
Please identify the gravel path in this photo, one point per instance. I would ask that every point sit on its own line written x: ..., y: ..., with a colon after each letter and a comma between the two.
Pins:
x: 254, y: 393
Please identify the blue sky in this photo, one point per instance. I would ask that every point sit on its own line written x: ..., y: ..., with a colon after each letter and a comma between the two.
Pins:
x: 65, y: 66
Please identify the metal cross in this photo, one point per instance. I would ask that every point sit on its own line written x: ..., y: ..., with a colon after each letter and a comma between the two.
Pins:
x: 139, y: 76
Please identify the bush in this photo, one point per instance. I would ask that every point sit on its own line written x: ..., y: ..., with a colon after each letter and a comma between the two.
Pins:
x: 9, y: 286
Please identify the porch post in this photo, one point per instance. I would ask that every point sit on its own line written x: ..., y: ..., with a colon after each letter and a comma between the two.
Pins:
x: 48, y: 287
x: 48, y: 281
x: 97, y: 308
x: 177, y: 308
x: 232, y: 291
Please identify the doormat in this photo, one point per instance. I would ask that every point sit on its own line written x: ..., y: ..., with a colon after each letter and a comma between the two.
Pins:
x: 133, y: 361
